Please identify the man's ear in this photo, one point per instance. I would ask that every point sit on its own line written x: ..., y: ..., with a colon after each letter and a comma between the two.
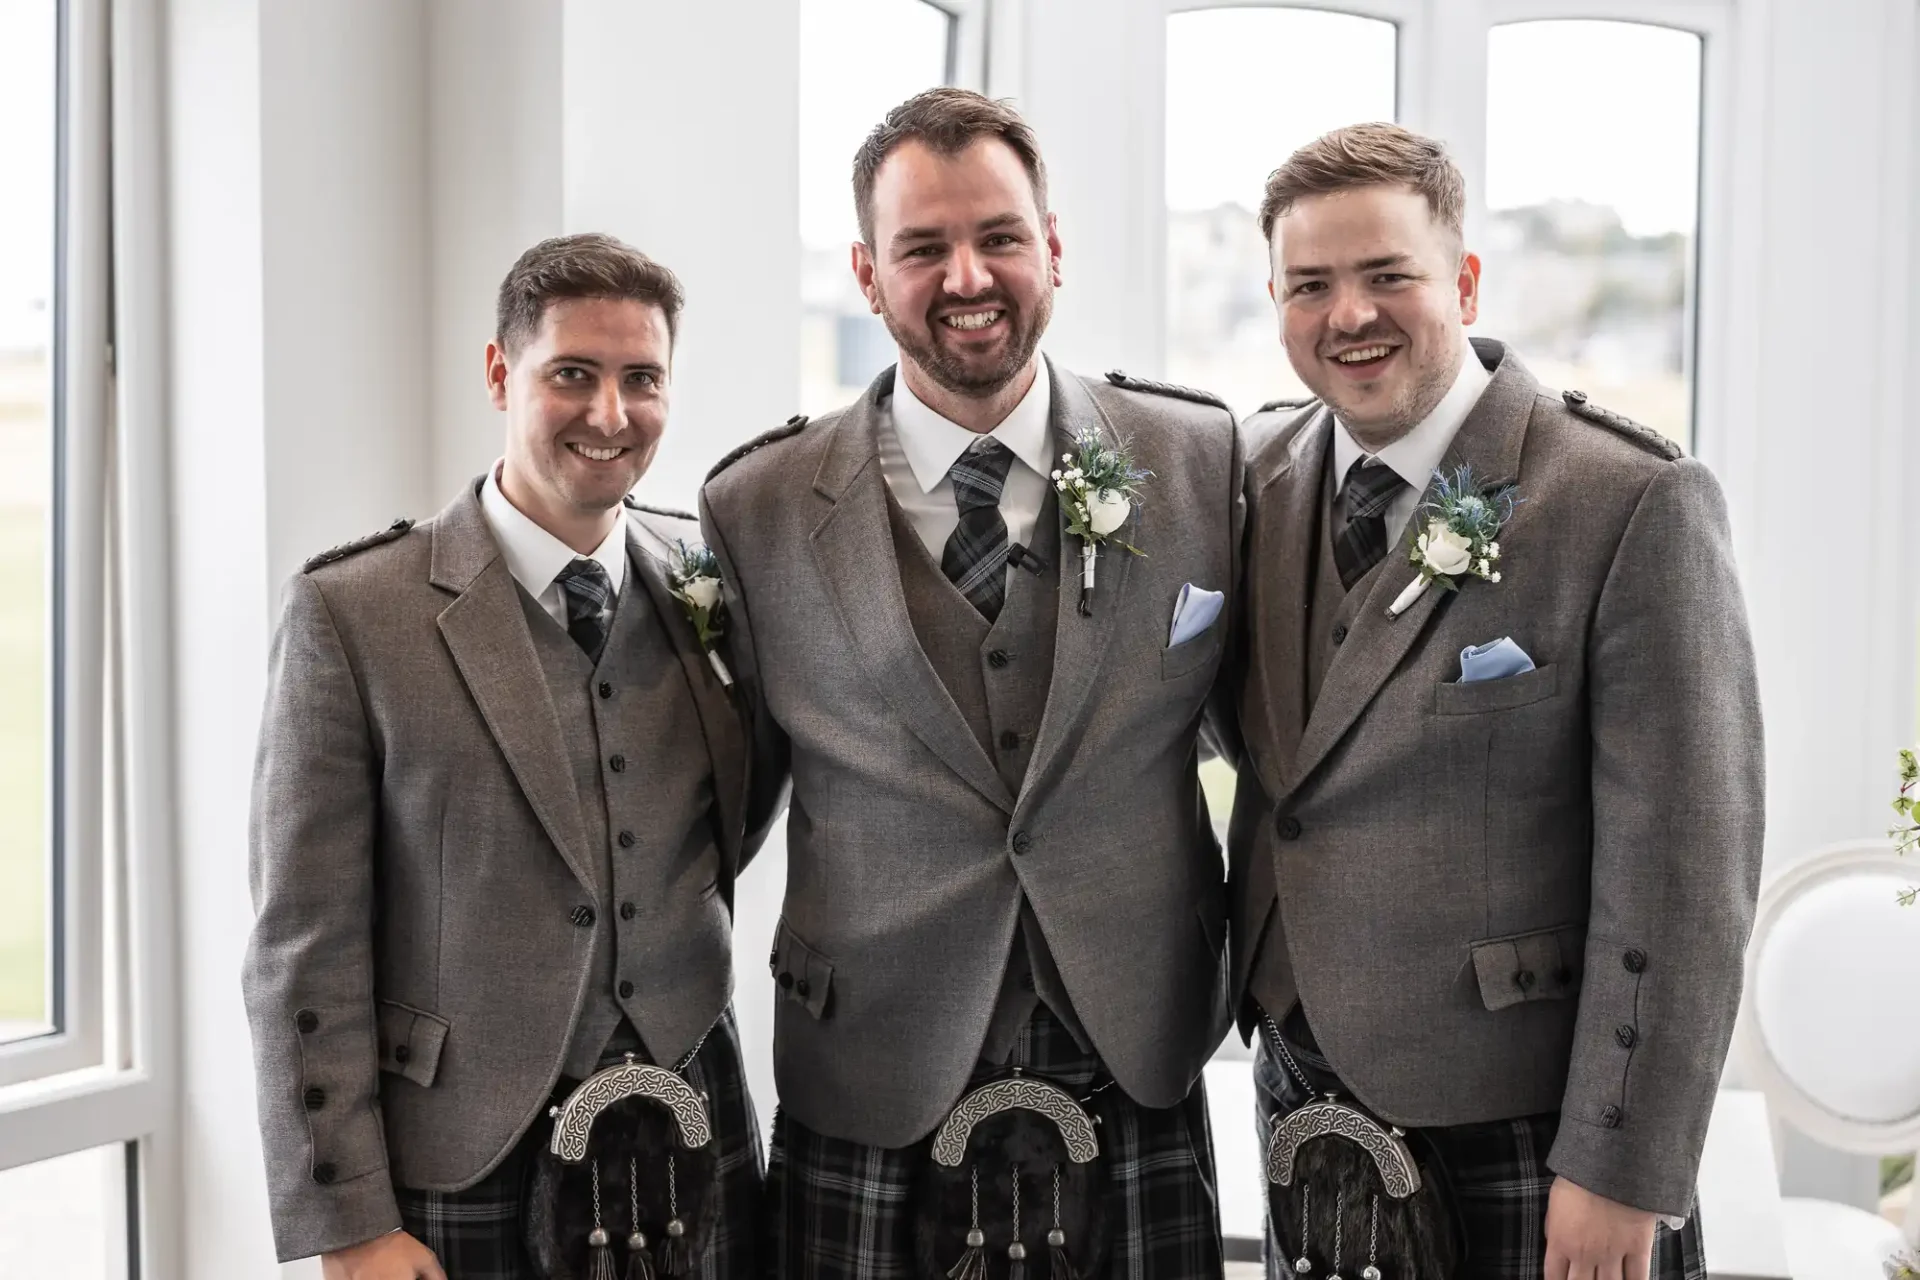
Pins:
x: 1469, y: 284
x: 497, y: 374
x: 1053, y: 248
x: 860, y: 255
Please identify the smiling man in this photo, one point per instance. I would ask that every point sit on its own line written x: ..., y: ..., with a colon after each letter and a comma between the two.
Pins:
x: 498, y: 811
x: 1000, y: 858
x: 1496, y: 840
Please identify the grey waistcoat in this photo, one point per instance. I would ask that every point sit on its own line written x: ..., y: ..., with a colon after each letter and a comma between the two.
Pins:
x: 998, y: 675
x: 648, y: 804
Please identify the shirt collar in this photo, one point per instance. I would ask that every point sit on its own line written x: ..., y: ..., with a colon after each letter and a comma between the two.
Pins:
x: 534, y: 556
x: 933, y: 444
x: 1417, y: 454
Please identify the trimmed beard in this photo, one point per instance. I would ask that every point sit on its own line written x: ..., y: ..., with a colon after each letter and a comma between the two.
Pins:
x: 952, y: 373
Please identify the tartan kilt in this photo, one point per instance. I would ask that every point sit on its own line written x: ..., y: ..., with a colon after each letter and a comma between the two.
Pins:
x: 840, y: 1210
x: 1498, y: 1176
x: 480, y: 1233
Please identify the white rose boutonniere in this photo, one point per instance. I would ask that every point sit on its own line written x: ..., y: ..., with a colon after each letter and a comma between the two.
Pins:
x: 693, y: 575
x: 1459, y: 537
x: 1099, y: 487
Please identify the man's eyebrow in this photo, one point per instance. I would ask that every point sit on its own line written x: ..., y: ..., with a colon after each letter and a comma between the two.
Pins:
x: 1370, y: 264
x: 643, y: 366
x: 567, y: 359
x: 910, y: 235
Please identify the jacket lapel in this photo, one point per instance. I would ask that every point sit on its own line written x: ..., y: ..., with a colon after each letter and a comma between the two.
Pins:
x: 1490, y: 441
x: 719, y: 719
x: 486, y: 632
x: 1284, y: 546
x: 853, y: 548
x: 1080, y: 643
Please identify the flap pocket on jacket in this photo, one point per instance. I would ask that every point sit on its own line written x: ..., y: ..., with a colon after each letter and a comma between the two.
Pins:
x: 1192, y: 654
x: 410, y: 1041
x: 1528, y: 687
x: 803, y: 975
x: 1542, y: 965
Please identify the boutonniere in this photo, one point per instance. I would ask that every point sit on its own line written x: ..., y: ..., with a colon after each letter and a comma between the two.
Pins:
x: 693, y: 575
x: 1461, y: 535
x: 1098, y: 489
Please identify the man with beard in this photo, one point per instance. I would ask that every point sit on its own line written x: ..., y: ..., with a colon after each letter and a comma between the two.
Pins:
x: 1497, y: 839
x: 498, y: 810
x: 1000, y: 858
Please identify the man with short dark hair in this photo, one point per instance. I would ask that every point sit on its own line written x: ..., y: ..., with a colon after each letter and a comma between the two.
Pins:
x: 1497, y: 836
x: 1003, y: 883
x: 498, y: 811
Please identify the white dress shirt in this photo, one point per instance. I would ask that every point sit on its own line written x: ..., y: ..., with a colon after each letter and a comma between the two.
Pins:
x: 535, y: 557
x: 918, y: 447
x: 1416, y: 454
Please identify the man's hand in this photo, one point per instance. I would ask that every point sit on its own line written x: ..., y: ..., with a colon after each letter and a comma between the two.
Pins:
x: 394, y: 1256
x: 1590, y: 1237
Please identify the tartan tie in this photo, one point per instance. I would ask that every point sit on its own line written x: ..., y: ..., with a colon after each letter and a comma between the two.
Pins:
x: 589, y: 595
x: 1369, y: 491
x: 975, y: 559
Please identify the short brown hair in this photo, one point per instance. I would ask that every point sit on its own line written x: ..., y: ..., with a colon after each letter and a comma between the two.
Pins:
x: 580, y: 266
x: 949, y: 121
x: 1368, y: 155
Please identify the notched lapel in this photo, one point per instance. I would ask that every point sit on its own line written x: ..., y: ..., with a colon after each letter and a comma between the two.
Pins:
x: 1490, y: 441
x: 1285, y: 543
x: 853, y: 549
x: 486, y: 633
x: 720, y: 720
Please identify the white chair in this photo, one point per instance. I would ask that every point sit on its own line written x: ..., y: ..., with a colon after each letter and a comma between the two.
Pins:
x: 1830, y: 1032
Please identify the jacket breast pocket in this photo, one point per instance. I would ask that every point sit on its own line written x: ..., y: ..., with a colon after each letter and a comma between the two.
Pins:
x: 1190, y: 655
x: 1525, y: 689
x: 803, y: 975
x: 410, y: 1042
x: 1543, y: 964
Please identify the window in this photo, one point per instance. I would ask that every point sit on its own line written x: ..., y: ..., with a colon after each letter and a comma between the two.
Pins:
x: 1245, y: 87
x: 30, y: 996
x: 1593, y: 202
x: 66, y: 1218
x: 858, y: 59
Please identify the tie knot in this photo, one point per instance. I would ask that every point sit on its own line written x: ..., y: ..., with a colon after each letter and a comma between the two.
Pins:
x: 587, y: 588
x: 980, y: 473
x: 1370, y: 489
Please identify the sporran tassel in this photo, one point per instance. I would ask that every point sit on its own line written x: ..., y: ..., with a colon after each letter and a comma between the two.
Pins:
x: 1057, y: 1238
x: 973, y: 1263
x: 1017, y: 1251
x: 676, y: 1255
x: 599, y: 1243
x: 639, y: 1261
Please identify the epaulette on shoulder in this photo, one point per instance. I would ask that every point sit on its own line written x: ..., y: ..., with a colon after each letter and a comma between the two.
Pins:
x: 669, y: 512
x: 791, y: 427
x: 1287, y: 402
x: 345, y: 549
x: 1131, y: 383
x: 1646, y: 437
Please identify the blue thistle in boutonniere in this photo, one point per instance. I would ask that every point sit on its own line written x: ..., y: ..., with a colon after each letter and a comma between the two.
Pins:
x: 1459, y: 535
x: 1099, y: 486
x: 693, y: 575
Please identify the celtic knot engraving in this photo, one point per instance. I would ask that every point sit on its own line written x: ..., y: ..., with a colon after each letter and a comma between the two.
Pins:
x: 573, y: 1120
x: 1022, y: 1093
x: 1323, y: 1119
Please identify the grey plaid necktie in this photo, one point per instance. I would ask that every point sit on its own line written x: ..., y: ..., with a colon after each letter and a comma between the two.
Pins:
x: 1369, y: 491
x: 588, y: 591
x: 975, y: 559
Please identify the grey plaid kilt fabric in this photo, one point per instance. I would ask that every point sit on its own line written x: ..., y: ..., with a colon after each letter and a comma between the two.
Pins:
x: 841, y: 1210
x: 1499, y: 1179
x: 479, y: 1234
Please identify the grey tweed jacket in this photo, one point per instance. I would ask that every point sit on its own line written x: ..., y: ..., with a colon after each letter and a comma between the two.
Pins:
x: 419, y: 865
x: 1529, y: 894
x: 908, y: 855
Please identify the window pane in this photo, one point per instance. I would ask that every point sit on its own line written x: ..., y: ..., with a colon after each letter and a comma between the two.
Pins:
x: 66, y: 1219
x: 28, y: 36
x: 1593, y: 210
x: 858, y: 59
x: 1245, y: 87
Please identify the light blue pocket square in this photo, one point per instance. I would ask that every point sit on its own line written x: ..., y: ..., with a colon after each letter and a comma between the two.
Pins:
x: 1493, y: 661
x: 1193, y: 613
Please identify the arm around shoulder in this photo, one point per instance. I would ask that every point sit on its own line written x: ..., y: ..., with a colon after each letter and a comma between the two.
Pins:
x: 308, y: 976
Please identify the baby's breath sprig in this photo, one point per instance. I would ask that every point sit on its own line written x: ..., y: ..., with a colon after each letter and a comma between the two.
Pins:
x: 1099, y: 485
x: 1906, y: 833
